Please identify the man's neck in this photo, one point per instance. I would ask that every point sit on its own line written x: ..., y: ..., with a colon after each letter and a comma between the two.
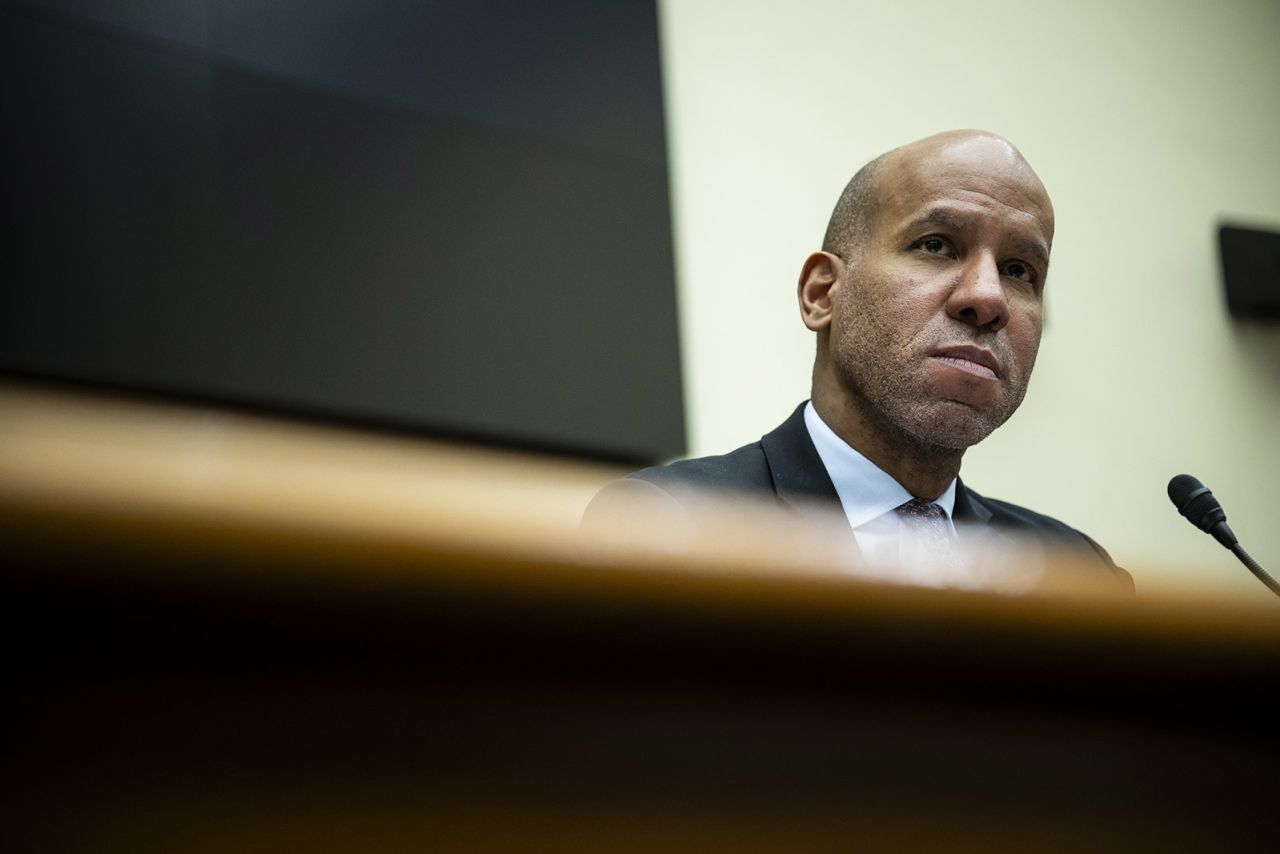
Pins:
x: 923, y: 470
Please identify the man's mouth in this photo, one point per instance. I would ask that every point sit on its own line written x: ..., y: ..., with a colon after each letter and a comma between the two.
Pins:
x: 974, y: 360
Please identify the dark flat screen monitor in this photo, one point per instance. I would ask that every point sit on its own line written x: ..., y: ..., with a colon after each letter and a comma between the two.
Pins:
x: 447, y: 217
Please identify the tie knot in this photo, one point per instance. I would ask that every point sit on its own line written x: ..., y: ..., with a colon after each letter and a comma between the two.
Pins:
x: 924, y: 510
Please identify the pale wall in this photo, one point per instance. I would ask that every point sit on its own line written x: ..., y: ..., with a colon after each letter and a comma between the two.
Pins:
x: 1147, y: 121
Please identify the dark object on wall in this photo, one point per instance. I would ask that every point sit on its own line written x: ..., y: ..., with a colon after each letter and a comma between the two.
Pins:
x: 447, y: 217
x: 1251, y: 271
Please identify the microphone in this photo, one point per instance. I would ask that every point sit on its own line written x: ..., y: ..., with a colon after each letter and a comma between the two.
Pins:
x: 1194, y: 501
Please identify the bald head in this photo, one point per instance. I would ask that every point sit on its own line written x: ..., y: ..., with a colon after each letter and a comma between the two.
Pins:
x: 875, y: 184
x: 927, y: 301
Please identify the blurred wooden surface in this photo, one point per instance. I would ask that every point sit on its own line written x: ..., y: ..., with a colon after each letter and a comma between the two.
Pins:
x: 233, y: 633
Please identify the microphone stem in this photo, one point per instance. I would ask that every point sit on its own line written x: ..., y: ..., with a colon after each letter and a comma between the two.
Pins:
x: 1266, y: 579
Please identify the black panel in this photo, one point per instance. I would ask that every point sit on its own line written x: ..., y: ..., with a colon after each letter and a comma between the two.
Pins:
x: 1251, y: 271
x: 444, y: 216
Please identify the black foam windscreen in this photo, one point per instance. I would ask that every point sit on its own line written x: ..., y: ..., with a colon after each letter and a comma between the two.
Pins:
x: 1195, y: 501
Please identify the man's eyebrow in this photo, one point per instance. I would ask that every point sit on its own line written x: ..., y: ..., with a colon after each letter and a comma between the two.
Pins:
x: 1034, y: 249
x: 939, y: 216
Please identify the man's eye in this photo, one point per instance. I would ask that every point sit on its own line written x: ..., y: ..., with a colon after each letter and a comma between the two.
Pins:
x: 1019, y: 270
x: 936, y: 245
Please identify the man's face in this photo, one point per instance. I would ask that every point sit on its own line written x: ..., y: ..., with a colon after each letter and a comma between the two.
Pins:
x: 937, y: 316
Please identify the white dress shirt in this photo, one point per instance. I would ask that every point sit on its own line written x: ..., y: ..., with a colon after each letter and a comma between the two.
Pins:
x: 869, y: 497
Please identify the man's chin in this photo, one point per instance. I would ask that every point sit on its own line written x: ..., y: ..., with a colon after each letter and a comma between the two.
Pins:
x: 952, y: 425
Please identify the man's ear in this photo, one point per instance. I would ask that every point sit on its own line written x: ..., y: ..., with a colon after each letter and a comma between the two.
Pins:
x: 819, y: 278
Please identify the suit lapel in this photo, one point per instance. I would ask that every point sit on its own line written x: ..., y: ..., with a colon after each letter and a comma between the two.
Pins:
x: 800, y: 480
x: 969, y: 506
x: 973, y: 514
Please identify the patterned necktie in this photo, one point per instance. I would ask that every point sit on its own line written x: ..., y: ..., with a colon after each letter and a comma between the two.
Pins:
x: 927, y: 511
x: 928, y: 522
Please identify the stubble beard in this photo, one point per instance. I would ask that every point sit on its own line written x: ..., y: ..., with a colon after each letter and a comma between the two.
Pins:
x: 896, y: 403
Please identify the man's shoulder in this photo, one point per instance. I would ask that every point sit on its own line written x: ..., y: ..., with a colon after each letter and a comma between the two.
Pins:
x: 667, y: 492
x: 782, y: 466
x: 1016, y: 519
x: 768, y: 465
x: 1015, y: 515
x: 743, y: 470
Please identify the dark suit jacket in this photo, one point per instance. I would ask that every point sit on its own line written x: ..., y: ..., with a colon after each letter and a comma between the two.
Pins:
x: 785, y: 465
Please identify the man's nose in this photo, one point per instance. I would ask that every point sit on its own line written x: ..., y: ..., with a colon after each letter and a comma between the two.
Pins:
x: 979, y: 297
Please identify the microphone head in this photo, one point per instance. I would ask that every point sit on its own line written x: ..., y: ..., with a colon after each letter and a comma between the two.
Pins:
x: 1194, y: 500
x: 1180, y: 489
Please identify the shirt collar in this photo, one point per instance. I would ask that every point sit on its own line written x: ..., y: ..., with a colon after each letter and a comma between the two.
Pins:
x: 866, y: 491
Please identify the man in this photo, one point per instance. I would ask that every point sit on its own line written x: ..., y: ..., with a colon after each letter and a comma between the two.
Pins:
x: 927, y: 302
